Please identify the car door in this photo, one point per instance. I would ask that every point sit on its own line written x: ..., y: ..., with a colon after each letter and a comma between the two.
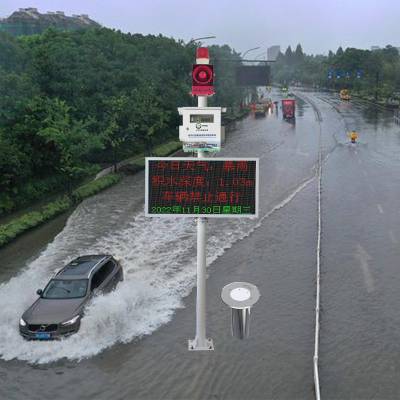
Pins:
x: 109, y: 270
x: 101, y: 280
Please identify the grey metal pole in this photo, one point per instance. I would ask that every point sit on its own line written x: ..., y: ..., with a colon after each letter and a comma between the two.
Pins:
x: 201, y: 342
x: 201, y: 264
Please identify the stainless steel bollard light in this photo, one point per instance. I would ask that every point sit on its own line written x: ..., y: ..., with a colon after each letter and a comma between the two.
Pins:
x: 240, y: 297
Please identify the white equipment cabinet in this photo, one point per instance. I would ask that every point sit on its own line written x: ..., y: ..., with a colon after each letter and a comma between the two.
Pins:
x: 201, y: 128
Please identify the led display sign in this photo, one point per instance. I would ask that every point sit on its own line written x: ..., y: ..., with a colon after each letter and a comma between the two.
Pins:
x: 253, y: 75
x: 201, y: 187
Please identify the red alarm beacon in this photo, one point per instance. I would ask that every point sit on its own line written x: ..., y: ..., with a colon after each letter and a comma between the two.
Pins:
x: 202, y: 55
x: 203, y: 80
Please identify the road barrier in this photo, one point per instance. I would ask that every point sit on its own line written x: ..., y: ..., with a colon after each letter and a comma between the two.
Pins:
x: 318, y: 277
x: 317, y: 300
x: 318, y: 280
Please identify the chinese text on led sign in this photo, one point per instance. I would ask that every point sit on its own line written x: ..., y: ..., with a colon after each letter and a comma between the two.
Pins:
x: 201, y: 187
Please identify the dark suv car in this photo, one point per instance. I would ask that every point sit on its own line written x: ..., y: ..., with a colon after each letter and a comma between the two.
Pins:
x: 59, y: 309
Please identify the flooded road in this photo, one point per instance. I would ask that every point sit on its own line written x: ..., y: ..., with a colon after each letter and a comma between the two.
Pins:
x: 361, y: 254
x: 133, y: 342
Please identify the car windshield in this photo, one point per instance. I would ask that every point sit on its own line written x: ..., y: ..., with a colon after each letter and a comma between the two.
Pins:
x: 65, y: 289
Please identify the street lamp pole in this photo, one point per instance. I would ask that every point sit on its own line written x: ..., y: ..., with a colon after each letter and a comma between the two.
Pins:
x: 248, y: 51
x: 200, y: 38
x: 260, y: 55
x: 247, y: 100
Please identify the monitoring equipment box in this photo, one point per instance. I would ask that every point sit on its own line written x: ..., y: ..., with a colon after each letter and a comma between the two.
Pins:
x: 202, y: 126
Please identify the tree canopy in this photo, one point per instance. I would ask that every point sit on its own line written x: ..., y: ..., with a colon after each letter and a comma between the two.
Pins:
x: 371, y: 72
x: 72, y: 100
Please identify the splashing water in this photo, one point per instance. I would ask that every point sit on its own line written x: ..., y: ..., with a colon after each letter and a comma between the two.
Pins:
x: 159, y: 260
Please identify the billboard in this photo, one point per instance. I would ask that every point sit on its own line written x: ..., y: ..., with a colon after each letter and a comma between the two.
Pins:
x: 201, y: 187
x: 253, y: 75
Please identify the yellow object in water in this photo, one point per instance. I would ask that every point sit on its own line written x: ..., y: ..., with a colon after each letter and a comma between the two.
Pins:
x: 344, y: 94
x: 353, y: 135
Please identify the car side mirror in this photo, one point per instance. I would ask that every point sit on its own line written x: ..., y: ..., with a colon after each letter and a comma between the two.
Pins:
x: 39, y: 292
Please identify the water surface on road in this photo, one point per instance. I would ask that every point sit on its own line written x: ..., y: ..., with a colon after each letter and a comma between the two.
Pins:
x: 133, y: 342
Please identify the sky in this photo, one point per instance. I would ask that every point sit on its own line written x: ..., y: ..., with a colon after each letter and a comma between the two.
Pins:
x: 319, y: 25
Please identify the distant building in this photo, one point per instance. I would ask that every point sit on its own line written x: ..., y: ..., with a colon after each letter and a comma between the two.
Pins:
x: 31, y: 9
x: 374, y: 48
x: 273, y: 52
x: 29, y: 21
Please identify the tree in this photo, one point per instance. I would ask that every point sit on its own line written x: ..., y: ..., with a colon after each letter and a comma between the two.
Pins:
x: 289, y: 55
x: 148, y: 117
x: 339, y: 51
x: 69, y: 139
x: 298, y: 54
x: 119, y: 124
x: 13, y: 166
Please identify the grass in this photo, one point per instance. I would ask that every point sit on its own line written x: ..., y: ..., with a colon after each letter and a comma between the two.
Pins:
x: 93, y: 187
x: 30, y: 220
x: 162, y: 150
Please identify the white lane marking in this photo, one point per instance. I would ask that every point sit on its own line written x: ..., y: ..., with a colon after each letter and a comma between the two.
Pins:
x: 393, y: 237
x: 301, y: 153
x: 363, y: 257
x: 380, y: 208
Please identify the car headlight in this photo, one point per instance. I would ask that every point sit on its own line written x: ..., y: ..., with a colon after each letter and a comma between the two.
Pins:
x: 22, y: 322
x: 71, y: 321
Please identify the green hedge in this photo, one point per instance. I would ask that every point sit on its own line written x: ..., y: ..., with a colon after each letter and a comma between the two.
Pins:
x: 161, y: 150
x: 35, y: 189
x: 166, y: 149
x: 32, y: 219
x: 94, y: 187
x: 29, y: 192
x: 27, y: 221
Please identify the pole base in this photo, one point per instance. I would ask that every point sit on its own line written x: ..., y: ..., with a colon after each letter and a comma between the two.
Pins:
x: 195, y: 345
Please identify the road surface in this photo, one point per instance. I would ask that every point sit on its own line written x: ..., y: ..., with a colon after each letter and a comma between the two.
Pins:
x: 133, y: 342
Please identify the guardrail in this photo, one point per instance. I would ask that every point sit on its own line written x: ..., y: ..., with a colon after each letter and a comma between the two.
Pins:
x: 318, y: 274
x: 317, y: 299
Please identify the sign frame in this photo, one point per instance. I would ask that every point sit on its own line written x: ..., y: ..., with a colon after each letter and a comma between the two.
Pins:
x: 257, y: 182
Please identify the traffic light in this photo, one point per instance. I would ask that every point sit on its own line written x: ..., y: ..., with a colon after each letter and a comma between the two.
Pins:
x: 202, y: 80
